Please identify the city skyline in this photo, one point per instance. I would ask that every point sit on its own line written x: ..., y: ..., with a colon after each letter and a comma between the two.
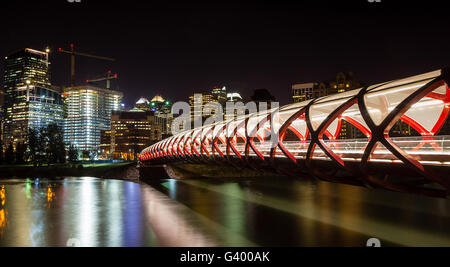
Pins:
x: 224, y: 132
x: 179, y: 48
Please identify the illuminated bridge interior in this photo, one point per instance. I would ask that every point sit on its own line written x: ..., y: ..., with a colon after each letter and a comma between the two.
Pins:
x: 305, y: 139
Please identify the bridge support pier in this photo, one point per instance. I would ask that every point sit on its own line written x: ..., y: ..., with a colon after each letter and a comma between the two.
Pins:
x: 153, y: 173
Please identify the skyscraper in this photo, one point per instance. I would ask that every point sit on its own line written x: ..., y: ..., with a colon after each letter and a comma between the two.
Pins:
x: 143, y: 104
x: 221, y: 94
x: 163, y: 114
x: 198, y: 102
x: 38, y: 107
x: 30, y: 101
x: 88, y: 112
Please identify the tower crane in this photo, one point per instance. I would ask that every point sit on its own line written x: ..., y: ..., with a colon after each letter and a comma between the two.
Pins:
x: 108, y: 78
x: 74, y: 53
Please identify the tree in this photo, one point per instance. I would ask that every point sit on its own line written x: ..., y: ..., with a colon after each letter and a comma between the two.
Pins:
x: 56, y: 151
x: 33, y: 146
x: 86, y: 154
x: 73, y: 154
x: 20, y: 153
x: 42, y: 146
x: 9, y: 154
x: 46, y: 145
x: 1, y: 154
x: 263, y: 96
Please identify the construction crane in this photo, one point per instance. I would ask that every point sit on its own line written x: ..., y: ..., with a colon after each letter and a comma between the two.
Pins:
x: 108, y: 78
x: 72, y: 54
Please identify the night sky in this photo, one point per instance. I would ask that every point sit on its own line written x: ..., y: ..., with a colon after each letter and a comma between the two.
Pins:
x: 176, y: 48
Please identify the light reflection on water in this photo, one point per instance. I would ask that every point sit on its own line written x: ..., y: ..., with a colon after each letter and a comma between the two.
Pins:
x: 92, y: 211
x: 192, y: 213
x: 3, y: 212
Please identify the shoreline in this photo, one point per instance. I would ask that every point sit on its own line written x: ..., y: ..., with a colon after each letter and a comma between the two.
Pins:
x: 111, y: 171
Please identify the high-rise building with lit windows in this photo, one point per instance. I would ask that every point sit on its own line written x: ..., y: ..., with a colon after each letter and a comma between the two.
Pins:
x: 131, y: 132
x: 344, y: 82
x: 143, y: 104
x: 37, y: 107
x: 163, y: 114
x: 306, y: 91
x: 198, y: 102
x: 88, y: 112
x: 221, y: 94
x: 30, y: 101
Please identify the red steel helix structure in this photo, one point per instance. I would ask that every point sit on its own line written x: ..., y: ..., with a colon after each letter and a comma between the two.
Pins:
x: 307, y: 139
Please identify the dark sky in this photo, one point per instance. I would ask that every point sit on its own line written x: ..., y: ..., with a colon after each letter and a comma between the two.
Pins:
x: 175, y: 48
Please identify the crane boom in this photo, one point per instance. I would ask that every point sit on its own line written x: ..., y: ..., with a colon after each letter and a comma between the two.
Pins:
x: 86, y: 55
x: 108, y: 79
x: 102, y: 79
x: 72, y: 54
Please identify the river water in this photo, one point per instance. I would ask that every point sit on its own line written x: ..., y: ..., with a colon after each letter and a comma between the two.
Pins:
x: 189, y: 213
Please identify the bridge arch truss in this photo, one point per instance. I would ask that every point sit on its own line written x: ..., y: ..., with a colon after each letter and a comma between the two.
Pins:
x: 306, y: 139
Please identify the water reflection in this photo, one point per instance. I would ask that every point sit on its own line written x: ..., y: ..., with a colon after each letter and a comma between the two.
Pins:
x: 86, y: 211
x: 2, y: 196
x: 274, y: 212
x: 3, y: 212
x: 171, y: 224
x: 192, y: 213
x: 51, y: 195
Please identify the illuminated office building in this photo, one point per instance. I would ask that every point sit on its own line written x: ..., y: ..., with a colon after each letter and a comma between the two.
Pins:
x: 143, y: 104
x: 221, y: 94
x: 163, y: 114
x: 232, y: 98
x: 88, y: 112
x: 131, y: 132
x: 198, y: 102
x: 342, y: 83
x: 345, y: 82
x: 38, y: 107
x: 30, y: 101
x: 160, y: 106
x: 305, y: 91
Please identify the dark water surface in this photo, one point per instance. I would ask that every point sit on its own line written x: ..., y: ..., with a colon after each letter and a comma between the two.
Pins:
x: 260, y: 212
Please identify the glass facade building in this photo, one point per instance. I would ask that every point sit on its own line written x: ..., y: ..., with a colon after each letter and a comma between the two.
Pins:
x: 163, y: 114
x: 88, y: 111
x: 37, y: 107
x: 28, y: 105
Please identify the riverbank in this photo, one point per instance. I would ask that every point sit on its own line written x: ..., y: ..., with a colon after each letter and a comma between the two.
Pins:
x: 103, y: 170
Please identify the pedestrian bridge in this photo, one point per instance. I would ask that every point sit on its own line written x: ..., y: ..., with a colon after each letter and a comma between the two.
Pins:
x: 394, y: 136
